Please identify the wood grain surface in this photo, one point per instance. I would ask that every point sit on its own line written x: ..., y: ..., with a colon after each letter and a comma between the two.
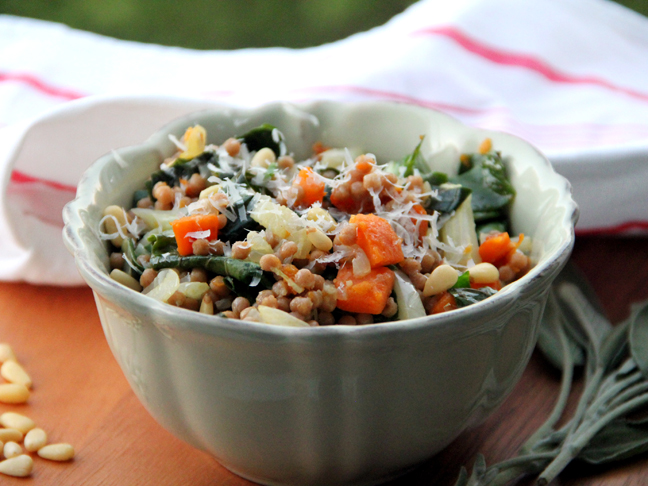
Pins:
x: 80, y: 395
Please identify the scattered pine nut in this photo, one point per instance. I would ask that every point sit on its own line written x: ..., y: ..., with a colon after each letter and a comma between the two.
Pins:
x: 10, y: 434
x: 125, y: 279
x: 6, y: 353
x: 57, y: 452
x: 35, y: 439
x: 12, y: 449
x: 13, y: 393
x: 14, y: 373
x: 13, y: 420
x: 19, y: 466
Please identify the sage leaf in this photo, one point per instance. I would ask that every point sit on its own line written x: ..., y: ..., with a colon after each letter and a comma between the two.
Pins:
x: 618, y: 440
x: 614, y: 345
x: 639, y: 336
x: 462, y: 479
x: 549, y: 336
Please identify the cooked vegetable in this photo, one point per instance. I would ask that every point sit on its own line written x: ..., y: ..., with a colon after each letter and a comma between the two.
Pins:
x: 485, y: 176
x: 408, y: 299
x: 496, y: 248
x: 445, y: 303
x: 364, y: 295
x: 246, y: 272
x: 311, y: 185
x: 244, y: 231
x: 190, y: 228
x: 459, y: 232
x: 378, y: 240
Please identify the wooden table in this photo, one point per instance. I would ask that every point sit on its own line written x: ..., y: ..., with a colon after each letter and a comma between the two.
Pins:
x: 80, y: 395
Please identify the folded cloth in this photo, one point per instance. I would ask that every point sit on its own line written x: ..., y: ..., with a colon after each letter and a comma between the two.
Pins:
x: 567, y: 75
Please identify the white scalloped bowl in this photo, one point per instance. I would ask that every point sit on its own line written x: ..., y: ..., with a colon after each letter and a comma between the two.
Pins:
x: 338, y: 404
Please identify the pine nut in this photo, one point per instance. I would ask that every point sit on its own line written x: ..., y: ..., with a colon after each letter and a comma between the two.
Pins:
x: 263, y: 158
x: 319, y: 239
x: 10, y: 434
x: 109, y: 224
x: 205, y: 193
x: 6, y: 353
x: 14, y: 373
x: 123, y: 278
x: 442, y: 278
x: 13, y: 393
x: 20, y: 466
x: 13, y: 420
x: 322, y: 217
x: 484, y: 273
x: 11, y: 449
x: 35, y: 439
x: 57, y: 452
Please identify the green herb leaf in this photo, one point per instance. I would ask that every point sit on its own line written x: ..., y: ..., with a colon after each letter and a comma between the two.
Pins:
x: 639, y: 336
x: 449, y: 197
x: 617, y: 441
x: 240, y: 270
x: 549, y: 339
x: 263, y: 136
x: 492, y: 191
x: 464, y: 297
x: 463, y: 281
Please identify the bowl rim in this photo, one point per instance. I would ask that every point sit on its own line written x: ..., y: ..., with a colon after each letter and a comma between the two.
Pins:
x: 100, y: 281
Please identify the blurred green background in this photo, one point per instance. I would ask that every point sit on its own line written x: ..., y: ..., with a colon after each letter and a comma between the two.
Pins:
x: 223, y: 24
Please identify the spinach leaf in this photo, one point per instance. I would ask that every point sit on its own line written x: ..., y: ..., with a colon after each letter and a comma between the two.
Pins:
x: 468, y: 296
x: 500, y: 226
x: 240, y: 270
x: 162, y: 243
x: 449, y: 197
x: 492, y: 191
x: 436, y: 178
x: 132, y: 266
x: 262, y: 136
x: 238, y: 229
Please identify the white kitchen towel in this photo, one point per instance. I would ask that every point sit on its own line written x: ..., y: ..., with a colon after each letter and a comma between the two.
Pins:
x: 570, y: 76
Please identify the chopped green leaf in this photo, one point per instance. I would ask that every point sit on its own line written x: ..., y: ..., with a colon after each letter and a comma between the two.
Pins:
x: 468, y: 296
x: 263, y: 136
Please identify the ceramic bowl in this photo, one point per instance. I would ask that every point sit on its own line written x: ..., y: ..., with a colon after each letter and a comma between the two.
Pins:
x: 338, y: 404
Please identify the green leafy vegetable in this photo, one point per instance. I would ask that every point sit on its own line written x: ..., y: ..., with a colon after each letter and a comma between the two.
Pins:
x: 263, y: 136
x: 449, y: 197
x: 238, y: 229
x: 468, y: 296
x: 240, y: 270
x: 463, y: 281
x: 492, y: 192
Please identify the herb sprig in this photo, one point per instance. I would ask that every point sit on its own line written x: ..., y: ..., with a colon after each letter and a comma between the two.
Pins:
x: 603, y: 428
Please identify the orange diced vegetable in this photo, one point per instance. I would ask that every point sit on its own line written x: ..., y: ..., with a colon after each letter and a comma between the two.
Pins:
x: 423, y: 226
x: 318, y: 147
x: 378, y: 240
x: 183, y: 227
x: 366, y: 295
x: 312, y: 185
x: 445, y: 303
x: 496, y: 285
x: 495, y: 249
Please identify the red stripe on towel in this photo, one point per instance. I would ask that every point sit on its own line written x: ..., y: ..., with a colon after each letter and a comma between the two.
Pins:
x: 18, y: 177
x: 526, y: 61
x: 41, y: 86
x: 627, y: 227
